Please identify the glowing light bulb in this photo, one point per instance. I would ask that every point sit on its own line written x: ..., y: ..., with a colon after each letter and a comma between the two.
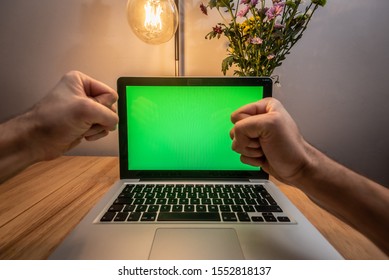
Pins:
x: 153, y: 21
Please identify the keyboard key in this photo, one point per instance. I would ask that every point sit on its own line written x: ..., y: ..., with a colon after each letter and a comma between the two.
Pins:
x: 213, y: 208
x: 160, y: 195
x: 139, y: 195
x: 270, y: 199
x: 206, y: 201
x: 126, y: 195
x: 134, y: 217
x: 234, y: 195
x: 108, y: 217
x: 129, y: 208
x: 213, y: 195
x: 262, y: 202
x: 202, y: 195
x: 184, y: 201
x: 224, y: 195
x: 269, y: 217
x: 229, y: 217
x: 201, y: 208
x: 148, y: 216
x: 239, y: 201
x: 171, y: 195
x: 236, y: 208
x: 257, y: 219
x: 120, y: 217
x: 268, y: 208
x: 177, y: 208
x: 248, y: 208
x: 243, y: 217
x: 150, y: 195
x: 192, y: 195
x: 194, y: 201
x: 116, y: 208
x: 123, y: 200
x: 181, y: 195
x: 150, y: 201
x: 128, y: 187
x: 228, y: 201
x: 153, y: 208
x: 251, y: 201
x: 138, y: 201
x: 161, y: 201
x: 283, y: 219
x: 188, y: 216
x: 166, y: 208
x: 189, y: 208
x: 141, y: 208
x: 172, y: 201
x: 217, y: 201
x: 225, y: 208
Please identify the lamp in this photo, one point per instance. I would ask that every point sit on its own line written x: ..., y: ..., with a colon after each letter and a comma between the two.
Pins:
x: 153, y: 21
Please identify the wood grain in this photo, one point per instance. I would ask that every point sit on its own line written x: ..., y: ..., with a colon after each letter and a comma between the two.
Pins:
x: 72, y: 190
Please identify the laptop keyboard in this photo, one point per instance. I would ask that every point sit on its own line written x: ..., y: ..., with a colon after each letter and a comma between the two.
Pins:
x: 138, y: 203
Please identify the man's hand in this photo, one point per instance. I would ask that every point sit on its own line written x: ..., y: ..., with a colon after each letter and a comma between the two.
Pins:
x: 78, y: 107
x: 265, y: 135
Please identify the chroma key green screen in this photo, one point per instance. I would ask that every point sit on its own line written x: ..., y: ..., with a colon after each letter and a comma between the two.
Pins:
x: 184, y: 127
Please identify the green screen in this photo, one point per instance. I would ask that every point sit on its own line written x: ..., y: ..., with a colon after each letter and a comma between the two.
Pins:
x: 184, y: 127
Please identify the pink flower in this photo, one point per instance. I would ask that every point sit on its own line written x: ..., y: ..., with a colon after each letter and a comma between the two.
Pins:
x: 244, y: 11
x: 275, y: 11
x: 217, y: 29
x: 270, y: 56
x: 256, y: 41
x: 278, y: 26
x: 251, y: 3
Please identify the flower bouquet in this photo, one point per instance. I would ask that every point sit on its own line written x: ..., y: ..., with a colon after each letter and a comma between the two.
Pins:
x: 260, y: 36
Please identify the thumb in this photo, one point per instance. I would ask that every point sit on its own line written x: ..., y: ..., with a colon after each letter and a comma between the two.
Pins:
x: 98, y: 114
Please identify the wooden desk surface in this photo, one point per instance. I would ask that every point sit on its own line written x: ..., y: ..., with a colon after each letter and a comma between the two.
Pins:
x: 40, y: 206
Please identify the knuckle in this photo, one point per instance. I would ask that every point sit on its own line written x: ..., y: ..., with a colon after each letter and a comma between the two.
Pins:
x: 275, y: 119
x: 234, y: 117
x: 82, y: 108
x: 238, y: 128
x: 71, y: 75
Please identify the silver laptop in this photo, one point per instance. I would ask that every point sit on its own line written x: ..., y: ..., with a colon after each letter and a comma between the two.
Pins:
x: 183, y: 193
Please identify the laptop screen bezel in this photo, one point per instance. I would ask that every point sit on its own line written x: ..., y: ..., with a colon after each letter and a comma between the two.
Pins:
x: 125, y: 173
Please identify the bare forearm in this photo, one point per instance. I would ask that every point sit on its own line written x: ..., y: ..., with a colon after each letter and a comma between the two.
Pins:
x: 15, y: 151
x: 351, y: 197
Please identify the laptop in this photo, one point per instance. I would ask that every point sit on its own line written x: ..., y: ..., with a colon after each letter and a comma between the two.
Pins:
x: 183, y: 193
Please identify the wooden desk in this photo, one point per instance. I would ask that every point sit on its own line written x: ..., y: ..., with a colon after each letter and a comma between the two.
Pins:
x: 40, y: 206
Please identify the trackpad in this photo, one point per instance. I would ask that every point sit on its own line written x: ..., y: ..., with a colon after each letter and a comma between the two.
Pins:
x: 196, y: 244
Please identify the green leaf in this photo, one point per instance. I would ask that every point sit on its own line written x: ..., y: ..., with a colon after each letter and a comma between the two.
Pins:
x: 291, y: 4
x: 227, y: 63
x: 220, y: 4
x: 239, y: 73
x: 224, y: 3
x: 212, y: 3
x: 319, y: 2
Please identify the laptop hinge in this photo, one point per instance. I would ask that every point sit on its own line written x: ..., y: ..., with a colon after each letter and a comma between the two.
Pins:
x: 256, y: 180
x: 132, y: 180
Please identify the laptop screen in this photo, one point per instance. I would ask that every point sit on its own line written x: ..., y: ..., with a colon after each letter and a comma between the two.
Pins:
x: 182, y: 124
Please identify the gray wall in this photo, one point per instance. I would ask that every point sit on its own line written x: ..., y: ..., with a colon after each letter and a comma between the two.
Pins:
x: 333, y: 82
